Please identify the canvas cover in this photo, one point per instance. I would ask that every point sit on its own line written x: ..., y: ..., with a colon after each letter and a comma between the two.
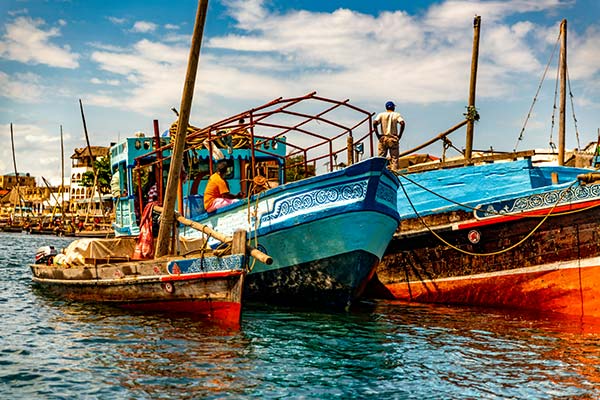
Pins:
x: 76, y: 253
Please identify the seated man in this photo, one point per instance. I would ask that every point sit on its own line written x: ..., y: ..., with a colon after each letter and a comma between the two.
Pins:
x: 216, y: 194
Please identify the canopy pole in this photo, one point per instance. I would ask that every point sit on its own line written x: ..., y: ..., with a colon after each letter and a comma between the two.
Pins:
x: 167, y: 220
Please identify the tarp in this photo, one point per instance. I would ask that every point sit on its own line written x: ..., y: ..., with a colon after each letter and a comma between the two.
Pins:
x: 79, y: 250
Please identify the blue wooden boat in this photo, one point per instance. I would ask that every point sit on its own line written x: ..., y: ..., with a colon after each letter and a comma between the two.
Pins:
x: 323, y: 218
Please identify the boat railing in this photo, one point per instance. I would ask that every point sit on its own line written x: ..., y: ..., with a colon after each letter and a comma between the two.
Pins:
x: 311, y: 129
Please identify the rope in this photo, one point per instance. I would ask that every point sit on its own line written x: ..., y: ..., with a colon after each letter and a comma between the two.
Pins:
x: 258, y: 182
x: 573, y: 110
x: 483, y: 254
x: 554, y: 108
x: 536, y: 94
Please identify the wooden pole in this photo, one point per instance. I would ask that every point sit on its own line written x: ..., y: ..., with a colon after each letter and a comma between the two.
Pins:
x: 350, y: 149
x: 562, y: 73
x: 96, y: 185
x: 167, y: 220
x: 472, y: 85
x: 259, y: 255
x: 62, y: 175
x: 435, y: 139
x: 12, y: 141
x: 158, y: 169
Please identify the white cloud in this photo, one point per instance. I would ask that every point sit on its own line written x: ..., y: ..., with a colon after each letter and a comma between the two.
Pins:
x: 31, y: 147
x: 110, y: 82
x: 171, y: 26
x: 22, y: 87
x: 25, y: 41
x: 424, y: 59
x: 117, y: 21
x: 143, y: 27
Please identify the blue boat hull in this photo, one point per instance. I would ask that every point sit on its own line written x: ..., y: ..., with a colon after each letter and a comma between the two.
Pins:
x: 325, y: 234
x: 332, y: 282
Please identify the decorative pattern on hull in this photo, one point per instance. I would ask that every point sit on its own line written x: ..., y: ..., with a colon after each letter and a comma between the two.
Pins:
x: 539, y: 201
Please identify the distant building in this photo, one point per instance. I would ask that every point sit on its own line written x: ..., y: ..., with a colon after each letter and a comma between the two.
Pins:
x: 9, y: 181
x: 83, y: 199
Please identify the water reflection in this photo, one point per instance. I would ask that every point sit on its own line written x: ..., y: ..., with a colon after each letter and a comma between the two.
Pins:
x: 488, y: 352
x: 56, y: 349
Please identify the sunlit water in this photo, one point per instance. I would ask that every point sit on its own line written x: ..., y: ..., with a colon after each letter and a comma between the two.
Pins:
x: 51, y: 349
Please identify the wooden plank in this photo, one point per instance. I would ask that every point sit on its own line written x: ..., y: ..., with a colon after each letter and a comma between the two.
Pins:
x: 463, y: 162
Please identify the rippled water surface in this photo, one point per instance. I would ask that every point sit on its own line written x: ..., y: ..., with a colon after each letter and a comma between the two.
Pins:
x: 59, y: 350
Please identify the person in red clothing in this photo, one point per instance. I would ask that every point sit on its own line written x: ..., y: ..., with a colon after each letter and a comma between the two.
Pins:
x: 216, y: 194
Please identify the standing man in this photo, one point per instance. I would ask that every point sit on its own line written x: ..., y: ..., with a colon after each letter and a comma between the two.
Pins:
x: 216, y: 194
x: 390, y: 137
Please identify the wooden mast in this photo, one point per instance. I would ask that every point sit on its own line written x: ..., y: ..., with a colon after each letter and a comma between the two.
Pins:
x: 96, y: 185
x: 12, y: 141
x: 471, y: 108
x: 167, y: 220
x: 62, y: 175
x: 562, y: 73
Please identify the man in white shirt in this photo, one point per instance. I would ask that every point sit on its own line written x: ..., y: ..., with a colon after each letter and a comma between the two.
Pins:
x: 390, y: 137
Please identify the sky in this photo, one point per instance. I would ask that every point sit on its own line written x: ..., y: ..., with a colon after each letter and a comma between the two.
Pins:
x: 126, y: 61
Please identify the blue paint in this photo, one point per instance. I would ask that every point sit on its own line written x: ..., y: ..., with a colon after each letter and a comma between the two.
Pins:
x: 471, y: 186
x: 233, y: 262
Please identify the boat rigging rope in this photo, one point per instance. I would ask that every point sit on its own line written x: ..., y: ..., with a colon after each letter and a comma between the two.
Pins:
x: 537, y: 93
x: 573, y: 109
x: 258, y: 182
x: 490, y: 253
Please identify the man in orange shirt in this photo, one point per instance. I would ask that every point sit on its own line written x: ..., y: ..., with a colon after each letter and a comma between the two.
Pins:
x: 216, y: 194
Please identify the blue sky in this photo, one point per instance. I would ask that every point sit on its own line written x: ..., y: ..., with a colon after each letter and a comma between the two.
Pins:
x: 126, y: 60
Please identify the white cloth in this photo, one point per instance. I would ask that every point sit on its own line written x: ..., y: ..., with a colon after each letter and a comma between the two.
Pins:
x: 389, y: 121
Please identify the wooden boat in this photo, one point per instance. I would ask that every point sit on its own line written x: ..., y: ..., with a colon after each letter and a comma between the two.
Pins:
x: 497, y: 231
x: 96, y: 270
x: 203, y: 282
x: 12, y: 228
x: 325, y: 233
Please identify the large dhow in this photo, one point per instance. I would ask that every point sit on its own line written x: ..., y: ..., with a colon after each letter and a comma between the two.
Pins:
x: 323, y: 219
x: 123, y: 271
x: 498, y: 230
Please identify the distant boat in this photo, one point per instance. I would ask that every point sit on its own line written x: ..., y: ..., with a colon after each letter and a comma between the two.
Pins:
x: 496, y: 230
x: 325, y: 233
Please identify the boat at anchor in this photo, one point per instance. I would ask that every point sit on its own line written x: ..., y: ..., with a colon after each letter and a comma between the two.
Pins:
x: 497, y: 230
x: 323, y: 216
x: 128, y: 272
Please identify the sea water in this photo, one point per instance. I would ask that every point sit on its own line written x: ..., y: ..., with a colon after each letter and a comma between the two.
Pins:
x: 53, y: 349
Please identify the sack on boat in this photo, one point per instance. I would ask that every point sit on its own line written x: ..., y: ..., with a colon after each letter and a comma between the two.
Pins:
x: 145, y: 244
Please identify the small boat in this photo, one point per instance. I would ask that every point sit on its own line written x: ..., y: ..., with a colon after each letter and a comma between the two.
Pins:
x: 497, y: 230
x: 101, y: 233
x: 324, y: 216
x: 96, y: 270
x: 12, y: 228
x: 126, y: 272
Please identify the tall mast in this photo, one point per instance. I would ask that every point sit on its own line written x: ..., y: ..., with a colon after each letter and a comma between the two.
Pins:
x: 62, y: 175
x: 472, y: 85
x: 12, y: 141
x: 167, y: 220
x: 562, y: 73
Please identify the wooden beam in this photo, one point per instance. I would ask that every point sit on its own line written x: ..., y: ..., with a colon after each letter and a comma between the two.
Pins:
x: 167, y: 221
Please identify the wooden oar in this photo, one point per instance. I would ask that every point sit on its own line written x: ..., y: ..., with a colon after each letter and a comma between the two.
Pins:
x: 259, y: 255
